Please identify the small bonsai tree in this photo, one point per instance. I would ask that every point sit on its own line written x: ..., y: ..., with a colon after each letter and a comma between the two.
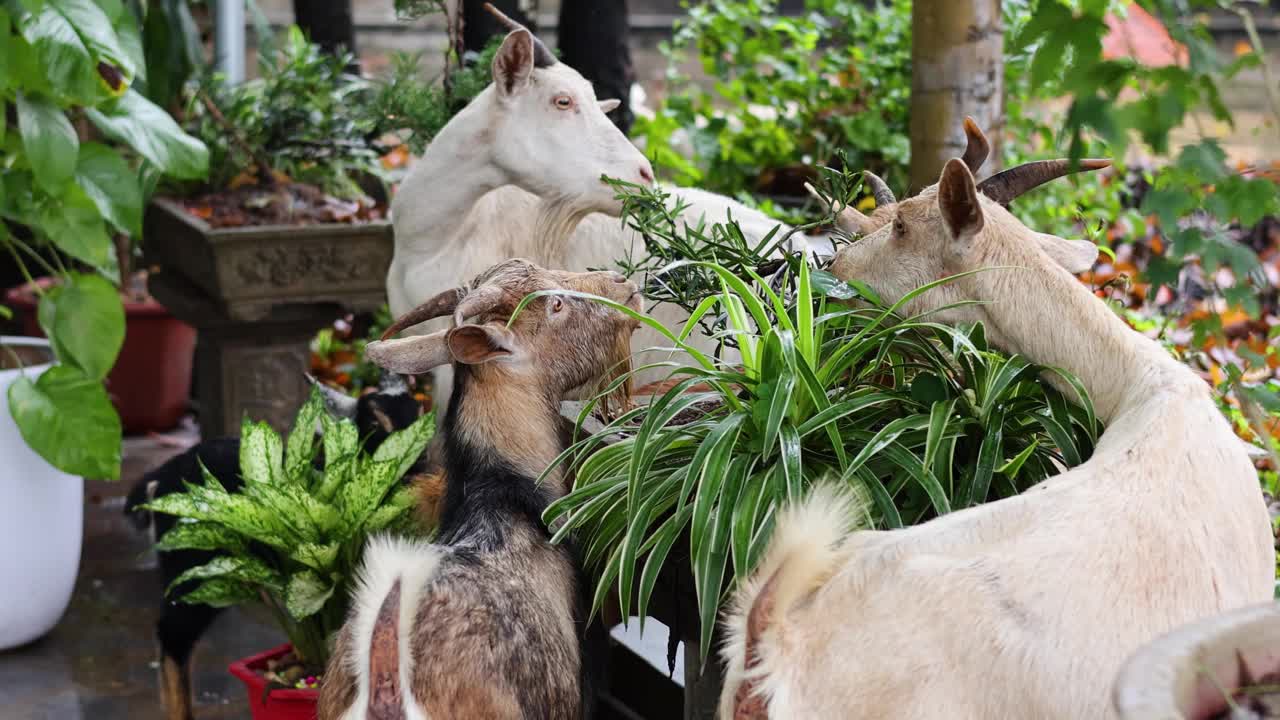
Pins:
x: 293, y: 536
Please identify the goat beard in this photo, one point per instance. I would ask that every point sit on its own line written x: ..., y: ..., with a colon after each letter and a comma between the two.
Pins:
x: 618, y: 401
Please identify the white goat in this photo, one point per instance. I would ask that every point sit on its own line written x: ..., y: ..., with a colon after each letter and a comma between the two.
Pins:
x: 1025, y: 607
x: 517, y: 173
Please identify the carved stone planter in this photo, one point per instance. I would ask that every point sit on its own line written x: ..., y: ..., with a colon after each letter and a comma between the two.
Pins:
x: 256, y: 296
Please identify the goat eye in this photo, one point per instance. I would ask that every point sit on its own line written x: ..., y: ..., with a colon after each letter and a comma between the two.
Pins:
x: 563, y: 102
x: 898, y: 227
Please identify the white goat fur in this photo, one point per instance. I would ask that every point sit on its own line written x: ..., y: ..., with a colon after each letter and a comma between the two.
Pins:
x: 386, y: 560
x: 1025, y: 607
x: 511, y: 175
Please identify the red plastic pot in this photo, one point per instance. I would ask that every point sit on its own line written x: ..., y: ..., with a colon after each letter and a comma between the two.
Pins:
x: 151, y: 380
x: 278, y: 704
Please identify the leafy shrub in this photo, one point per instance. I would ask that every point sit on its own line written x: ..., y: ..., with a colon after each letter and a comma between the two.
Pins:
x: 65, y: 63
x: 839, y: 77
x: 293, y: 535
x: 925, y: 418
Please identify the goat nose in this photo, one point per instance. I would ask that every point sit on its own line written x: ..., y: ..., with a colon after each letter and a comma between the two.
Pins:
x: 646, y: 173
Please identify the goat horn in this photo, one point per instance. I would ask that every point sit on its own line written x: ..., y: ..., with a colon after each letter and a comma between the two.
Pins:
x: 477, y: 302
x: 879, y: 189
x: 978, y: 148
x: 1005, y: 187
x: 441, y: 304
x: 542, y: 56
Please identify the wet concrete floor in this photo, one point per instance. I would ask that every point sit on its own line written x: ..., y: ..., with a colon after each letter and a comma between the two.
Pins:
x: 99, y: 663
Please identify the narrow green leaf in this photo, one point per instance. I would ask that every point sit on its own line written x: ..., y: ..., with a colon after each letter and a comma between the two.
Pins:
x: 261, y: 454
x: 200, y: 536
x: 221, y: 592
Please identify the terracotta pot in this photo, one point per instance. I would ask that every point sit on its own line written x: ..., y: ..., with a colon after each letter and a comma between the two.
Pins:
x: 1183, y: 674
x: 151, y: 381
x: 279, y: 704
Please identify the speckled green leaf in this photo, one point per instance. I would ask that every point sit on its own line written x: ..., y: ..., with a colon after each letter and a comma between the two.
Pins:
x: 319, y: 557
x: 261, y: 454
x: 405, y: 446
x: 300, y: 446
x: 244, y: 569
x: 340, y: 438
x: 306, y: 594
x: 198, y: 535
x: 221, y: 592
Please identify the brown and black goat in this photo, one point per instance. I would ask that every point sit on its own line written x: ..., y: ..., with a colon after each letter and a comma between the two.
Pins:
x: 490, y: 620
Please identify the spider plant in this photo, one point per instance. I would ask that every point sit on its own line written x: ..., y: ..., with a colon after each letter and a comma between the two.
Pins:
x: 921, y: 417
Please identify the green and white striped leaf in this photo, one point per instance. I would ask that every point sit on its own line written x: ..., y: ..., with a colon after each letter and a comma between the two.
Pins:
x: 221, y: 592
x: 244, y: 569
x: 300, y: 447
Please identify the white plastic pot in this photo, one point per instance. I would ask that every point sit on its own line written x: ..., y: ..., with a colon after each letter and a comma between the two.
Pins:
x: 41, y: 521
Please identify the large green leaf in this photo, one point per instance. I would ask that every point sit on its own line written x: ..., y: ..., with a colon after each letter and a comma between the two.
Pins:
x: 95, y: 30
x: 85, y: 318
x: 151, y: 131
x: 58, y: 50
x: 66, y: 418
x: 50, y: 142
x: 112, y: 185
x: 76, y: 227
x: 306, y: 594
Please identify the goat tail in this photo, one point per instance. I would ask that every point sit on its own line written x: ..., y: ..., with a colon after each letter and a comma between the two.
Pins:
x: 804, y: 552
x: 388, y: 589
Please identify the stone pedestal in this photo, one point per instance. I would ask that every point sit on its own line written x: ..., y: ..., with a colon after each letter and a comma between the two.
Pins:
x: 256, y: 297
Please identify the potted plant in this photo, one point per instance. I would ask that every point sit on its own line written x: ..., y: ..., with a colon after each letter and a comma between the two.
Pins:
x: 292, y: 538
x: 922, y: 417
x: 150, y: 382
x: 39, y: 501
x: 70, y: 79
x: 1225, y: 666
x: 290, y: 227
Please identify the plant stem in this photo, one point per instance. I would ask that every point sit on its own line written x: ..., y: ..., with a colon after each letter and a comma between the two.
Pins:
x: 264, y: 168
x: 11, y: 242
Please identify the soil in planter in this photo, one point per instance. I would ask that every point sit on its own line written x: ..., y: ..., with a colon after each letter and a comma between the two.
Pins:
x: 287, y: 671
x: 285, y: 204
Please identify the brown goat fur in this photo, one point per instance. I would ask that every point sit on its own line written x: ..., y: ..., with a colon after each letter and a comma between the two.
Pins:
x: 490, y: 620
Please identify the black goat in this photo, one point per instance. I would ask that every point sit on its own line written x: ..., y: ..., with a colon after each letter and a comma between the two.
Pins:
x: 376, y: 415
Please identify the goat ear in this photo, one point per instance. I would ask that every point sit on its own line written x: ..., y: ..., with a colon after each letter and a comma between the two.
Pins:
x: 608, y: 106
x: 513, y: 65
x: 958, y: 201
x: 1076, y: 256
x: 411, y: 355
x: 475, y: 344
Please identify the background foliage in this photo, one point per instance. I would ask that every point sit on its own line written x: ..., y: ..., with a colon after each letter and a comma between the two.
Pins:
x: 77, y: 166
